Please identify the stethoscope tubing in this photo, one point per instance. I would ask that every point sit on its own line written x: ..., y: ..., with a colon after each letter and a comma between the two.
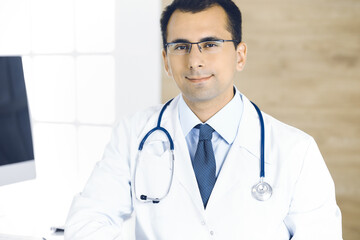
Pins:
x: 262, y: 141
x: 158, y: 127
x: 257, y: 189
x: 155, y: 199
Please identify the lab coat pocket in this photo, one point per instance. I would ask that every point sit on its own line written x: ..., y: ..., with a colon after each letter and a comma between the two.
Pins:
x: 154, y: 170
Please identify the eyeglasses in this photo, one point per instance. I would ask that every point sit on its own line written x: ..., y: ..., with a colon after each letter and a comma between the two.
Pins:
x: 182, y: 48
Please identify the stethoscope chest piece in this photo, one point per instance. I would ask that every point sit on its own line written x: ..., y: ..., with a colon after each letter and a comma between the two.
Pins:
x: 261, y: 191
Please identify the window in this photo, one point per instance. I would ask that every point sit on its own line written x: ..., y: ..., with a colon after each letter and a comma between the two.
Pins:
x: 77, y: 72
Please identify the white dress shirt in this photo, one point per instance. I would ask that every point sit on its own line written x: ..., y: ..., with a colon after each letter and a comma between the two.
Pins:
x: 225, y: 123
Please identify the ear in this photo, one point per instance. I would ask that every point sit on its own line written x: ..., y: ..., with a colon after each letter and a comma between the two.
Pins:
x: 166, y: 63
x: 241, y: 56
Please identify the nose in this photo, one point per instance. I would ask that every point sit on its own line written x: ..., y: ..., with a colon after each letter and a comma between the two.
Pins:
x: 195, y: 57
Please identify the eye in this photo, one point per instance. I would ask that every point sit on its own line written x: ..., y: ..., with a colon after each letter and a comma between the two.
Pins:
x: 211, y: 44
x: 180, y: 46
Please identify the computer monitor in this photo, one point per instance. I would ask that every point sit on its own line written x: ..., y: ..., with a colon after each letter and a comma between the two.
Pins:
x: 16, y: 145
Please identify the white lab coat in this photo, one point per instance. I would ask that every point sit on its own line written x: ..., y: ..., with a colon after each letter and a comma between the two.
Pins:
x: 303, y: 205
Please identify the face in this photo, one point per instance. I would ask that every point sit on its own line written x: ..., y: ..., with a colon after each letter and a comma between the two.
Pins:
x: 203, y: 78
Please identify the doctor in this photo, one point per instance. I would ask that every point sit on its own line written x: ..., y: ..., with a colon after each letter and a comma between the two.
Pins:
x: 204, y: 190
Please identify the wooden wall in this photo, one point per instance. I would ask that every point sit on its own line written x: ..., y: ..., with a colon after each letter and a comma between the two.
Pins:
x: 304, y: 69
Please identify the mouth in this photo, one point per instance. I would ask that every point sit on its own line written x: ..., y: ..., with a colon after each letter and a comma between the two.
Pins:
x: 197, y: 79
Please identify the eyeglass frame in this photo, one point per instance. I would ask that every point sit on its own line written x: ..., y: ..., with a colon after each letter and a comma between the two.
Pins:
x: 197, y: 43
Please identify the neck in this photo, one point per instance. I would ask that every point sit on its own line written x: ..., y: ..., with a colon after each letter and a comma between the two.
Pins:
x: 204, y: 110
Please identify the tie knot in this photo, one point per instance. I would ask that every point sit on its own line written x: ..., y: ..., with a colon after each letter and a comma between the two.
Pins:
x: 205, y: 131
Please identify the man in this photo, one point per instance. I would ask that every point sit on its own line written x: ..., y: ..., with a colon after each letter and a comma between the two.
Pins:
x: 205, y: 192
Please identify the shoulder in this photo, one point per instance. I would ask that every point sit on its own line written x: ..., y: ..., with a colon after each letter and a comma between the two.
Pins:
x: 279, y: 136
x: 290, y: 147
x: 138, y: 120
x: 288, y: 143
x: 289, y: 135
x: 144, y: 119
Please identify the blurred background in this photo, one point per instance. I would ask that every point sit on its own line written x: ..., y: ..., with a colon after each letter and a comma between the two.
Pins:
x: 88, y: 62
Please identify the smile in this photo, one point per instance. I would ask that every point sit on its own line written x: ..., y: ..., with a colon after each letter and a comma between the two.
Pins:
x: 199, y: 78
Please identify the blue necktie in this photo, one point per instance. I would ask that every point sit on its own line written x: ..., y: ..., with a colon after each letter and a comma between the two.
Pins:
x: 204, y: 162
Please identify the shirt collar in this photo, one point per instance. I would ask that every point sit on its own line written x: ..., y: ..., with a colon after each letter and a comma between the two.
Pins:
x: 188, y: 120
x: 225, y: 122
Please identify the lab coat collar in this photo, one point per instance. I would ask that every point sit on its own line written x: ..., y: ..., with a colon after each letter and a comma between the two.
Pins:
x: 244, y: 154
x: 249, y: 129
x: 248, y: 134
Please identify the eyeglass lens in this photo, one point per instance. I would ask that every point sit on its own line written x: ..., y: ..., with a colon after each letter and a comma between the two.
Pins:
x: 204, y: 47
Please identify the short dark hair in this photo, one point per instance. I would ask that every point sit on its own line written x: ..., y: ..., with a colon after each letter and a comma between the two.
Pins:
x: 232, y: 11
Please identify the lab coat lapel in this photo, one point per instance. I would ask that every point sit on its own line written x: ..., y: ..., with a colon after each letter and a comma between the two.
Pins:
x: 241, y: 166
x: 183, y: 170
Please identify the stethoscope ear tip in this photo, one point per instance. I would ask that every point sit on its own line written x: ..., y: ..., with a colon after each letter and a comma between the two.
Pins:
x: 153, y: 200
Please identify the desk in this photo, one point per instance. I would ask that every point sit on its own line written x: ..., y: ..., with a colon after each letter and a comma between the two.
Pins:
x: 31, y: 208
x: 26, y: 227
x: 17, y: 237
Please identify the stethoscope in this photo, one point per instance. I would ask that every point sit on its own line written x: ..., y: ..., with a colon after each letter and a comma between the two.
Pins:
x: 261, y: 191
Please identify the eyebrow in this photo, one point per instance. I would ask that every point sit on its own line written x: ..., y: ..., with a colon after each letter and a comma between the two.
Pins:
x: 182, y: 40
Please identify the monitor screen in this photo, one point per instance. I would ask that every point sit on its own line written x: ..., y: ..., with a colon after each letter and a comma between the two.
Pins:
x: 16, y: 145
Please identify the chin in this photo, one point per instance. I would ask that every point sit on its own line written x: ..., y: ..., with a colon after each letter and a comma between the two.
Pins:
x: 200, y: 97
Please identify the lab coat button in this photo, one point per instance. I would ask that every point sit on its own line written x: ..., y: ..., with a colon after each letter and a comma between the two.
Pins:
x: 203, y: 222
x: 211, y: 233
